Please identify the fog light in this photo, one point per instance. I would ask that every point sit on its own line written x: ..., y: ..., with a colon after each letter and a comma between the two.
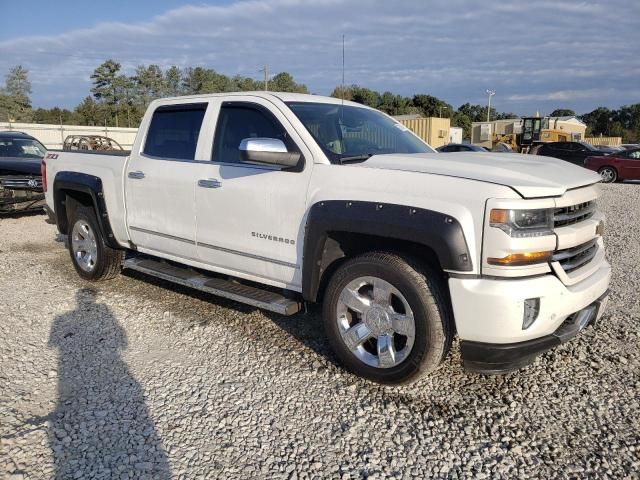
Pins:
x: 531, y: 311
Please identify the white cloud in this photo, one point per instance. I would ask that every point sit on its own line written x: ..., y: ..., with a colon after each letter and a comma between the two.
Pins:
x: 536, y: 56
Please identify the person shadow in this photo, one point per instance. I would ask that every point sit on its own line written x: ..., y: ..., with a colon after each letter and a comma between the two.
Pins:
x: 100, y: 427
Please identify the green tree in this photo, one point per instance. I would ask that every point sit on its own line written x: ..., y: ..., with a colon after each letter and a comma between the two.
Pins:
x: 53, y: 115
x: 172, y: 81
x: 463, y: 121
x: 431, y: 106
x: 477, y: 113
x: 104, y: 82
x: 284, y: 82
x: 193, y: 80
x: 88, y: 112
x: 149, y: 84
x: 245, y: 84
x: 598, y: 121
x: 562, y: 112
x: 15, y: 103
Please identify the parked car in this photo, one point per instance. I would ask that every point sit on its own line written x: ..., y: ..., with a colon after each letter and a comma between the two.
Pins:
x: 281, y: 199
x: 574, y: 152
x: 609, y: 149
x: 20, y: 175
x: 461, y: 147
x: 630, y: 146
x: 624, y: 165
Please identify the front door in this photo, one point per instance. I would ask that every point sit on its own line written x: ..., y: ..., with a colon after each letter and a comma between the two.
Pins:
x: 250, y: 218
x: 631, y: 162
x: 160, y: 182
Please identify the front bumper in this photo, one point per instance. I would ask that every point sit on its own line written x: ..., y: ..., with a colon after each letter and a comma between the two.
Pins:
x: 495, y: 358
x: 20, y: 201
x: 489, y: 313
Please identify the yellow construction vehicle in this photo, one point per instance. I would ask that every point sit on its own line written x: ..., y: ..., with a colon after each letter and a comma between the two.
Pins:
x: 535, y: 131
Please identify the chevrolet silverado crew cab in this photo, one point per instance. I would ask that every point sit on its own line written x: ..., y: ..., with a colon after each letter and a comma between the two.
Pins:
x: 279, y: 200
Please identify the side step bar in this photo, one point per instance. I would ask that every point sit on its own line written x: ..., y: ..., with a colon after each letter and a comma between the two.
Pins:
x: 256, y: 297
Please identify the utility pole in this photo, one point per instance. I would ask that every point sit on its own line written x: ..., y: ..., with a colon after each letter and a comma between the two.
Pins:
x: 491, y: 93
x: 266, y: 77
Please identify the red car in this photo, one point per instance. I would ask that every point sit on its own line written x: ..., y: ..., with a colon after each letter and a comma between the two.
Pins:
x: 617, y: 166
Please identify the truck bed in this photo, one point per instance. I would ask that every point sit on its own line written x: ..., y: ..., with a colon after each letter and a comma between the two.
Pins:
x: 108, y: 166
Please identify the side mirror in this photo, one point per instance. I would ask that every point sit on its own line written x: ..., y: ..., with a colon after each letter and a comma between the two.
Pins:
x: 267, y: 151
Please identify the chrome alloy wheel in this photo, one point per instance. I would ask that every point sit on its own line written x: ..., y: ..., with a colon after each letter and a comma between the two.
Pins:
x: 84, y: 246
x: 607, y: 175
x: 375, y: 322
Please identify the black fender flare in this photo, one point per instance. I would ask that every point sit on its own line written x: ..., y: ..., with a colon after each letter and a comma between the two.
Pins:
x: 88, y: 184
x: 438, y: 231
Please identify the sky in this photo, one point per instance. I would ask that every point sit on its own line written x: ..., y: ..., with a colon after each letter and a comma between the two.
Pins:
x: 536, y: 55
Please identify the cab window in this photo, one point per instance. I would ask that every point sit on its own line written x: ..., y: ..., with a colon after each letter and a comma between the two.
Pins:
x: 240, y: 121
x: 173, y: 131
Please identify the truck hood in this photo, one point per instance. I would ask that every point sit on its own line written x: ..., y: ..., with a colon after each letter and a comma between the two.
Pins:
x: 530, y: 175
x: 17, y: 166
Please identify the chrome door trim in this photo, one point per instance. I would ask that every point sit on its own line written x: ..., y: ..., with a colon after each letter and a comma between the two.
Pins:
x: 164, y: 235
x: 215, y: 247
x: 248, y: 255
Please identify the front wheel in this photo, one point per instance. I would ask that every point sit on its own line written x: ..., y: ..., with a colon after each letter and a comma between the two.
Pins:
x: 387, y: 318
x: 608, y: 174
x: 92, y: 258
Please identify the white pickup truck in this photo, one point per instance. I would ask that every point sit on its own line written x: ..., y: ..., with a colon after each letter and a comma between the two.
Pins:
x: 278, y: 200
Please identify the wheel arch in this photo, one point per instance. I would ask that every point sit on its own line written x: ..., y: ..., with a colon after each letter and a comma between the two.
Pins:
x: 86, y: 190
x: 338, y: 230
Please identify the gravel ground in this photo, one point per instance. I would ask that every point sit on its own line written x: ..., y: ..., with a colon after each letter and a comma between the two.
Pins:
x: 138, y: 379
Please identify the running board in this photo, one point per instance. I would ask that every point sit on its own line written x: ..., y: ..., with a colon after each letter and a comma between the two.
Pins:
x: 256, y: 297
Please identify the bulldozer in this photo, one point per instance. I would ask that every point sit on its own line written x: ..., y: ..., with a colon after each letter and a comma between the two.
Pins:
x: 535, y: 131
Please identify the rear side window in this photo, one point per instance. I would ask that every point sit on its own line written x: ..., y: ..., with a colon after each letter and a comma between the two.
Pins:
x: 237, y: 122
x: 173, y: 131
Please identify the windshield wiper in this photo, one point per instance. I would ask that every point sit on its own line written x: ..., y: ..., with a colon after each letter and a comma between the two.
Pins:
x: 355, y: 158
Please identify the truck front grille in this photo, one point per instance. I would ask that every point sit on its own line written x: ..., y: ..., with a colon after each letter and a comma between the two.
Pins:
x: 574, y: 213
x: 571, y: 259
x: 21, y: 182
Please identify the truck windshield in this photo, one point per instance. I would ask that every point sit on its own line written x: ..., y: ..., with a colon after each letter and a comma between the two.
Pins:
x: 21, y: 148
x: 347, y: 133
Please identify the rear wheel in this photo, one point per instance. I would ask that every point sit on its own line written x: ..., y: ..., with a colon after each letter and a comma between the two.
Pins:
x: 608, y: 174
x: 387, y: 318
x: 91, y: 257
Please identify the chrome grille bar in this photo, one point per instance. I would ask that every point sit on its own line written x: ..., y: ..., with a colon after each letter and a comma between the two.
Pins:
x: 21, y: 182
x: 574, y: 213
x: 571, y: 259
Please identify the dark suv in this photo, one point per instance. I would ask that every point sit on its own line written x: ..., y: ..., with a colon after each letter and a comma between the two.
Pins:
x: 574, y: 152
x: 20, y: 176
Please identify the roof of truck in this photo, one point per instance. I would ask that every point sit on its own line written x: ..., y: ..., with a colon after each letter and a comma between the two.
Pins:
x: 284, y: 96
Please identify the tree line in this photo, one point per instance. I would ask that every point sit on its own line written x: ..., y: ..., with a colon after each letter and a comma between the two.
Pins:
x: 120, y: 100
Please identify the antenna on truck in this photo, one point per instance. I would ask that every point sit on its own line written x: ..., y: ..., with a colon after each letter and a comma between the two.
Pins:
x: 342, y: 89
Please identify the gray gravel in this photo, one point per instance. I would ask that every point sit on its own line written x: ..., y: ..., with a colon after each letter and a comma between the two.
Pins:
x: 139, y: 379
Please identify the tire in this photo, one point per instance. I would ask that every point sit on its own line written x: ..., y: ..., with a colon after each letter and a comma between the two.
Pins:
x: 91, y: 257
x: 361, y: 325
x: 608, y: 174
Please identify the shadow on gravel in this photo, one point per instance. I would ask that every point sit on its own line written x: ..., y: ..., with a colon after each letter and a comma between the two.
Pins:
x: 101, y: 426
x: 306, y: 328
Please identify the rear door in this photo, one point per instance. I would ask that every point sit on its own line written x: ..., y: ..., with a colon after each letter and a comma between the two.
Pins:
x: 250, y: 218
x: 565, y: 151
x: 160, y: 182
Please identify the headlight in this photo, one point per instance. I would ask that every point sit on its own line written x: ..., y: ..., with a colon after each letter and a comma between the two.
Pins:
x: 523, y: 223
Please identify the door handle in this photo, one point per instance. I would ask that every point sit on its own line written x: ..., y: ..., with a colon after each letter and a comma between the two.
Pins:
x: 136, y: 175
x: 209, y: 183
